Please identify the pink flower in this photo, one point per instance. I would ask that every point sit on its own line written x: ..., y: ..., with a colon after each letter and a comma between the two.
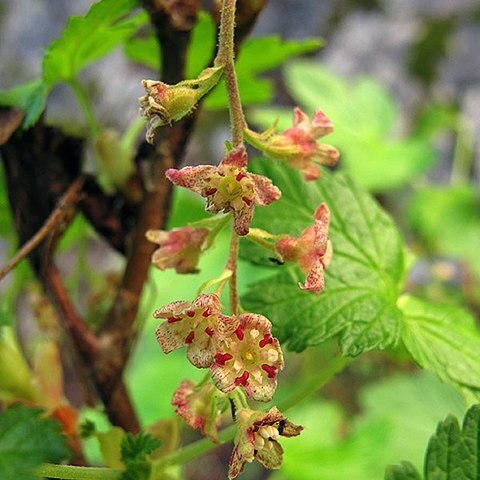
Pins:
x: 257, y: 439
x: 312, y: 250
x: 228, y: 187
x: 250, y: 357
x: 179, y: 248
x: 197, y: 405
x: 298, y: 145
x: 198, y: 325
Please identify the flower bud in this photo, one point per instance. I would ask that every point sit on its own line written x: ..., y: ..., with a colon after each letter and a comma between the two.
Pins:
x: 164, y: 104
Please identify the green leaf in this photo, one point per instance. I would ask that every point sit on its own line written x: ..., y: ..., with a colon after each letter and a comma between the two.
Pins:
x: 452, y: 454
x: 364, y: 115
x: 363, y: 281
x: 30, y: 97
x: 443, y: 339
x: 137, y: 447
x: 146, y: 50
x: 256, y: 56
x: 404, y: 471
x: 26, y: 440
x: 87, y: 38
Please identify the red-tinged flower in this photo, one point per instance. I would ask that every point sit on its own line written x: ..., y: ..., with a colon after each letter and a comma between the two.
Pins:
x: 250, y: 357
x: 256, y: 438
x: 197, y: 405
x: 312, y: 250
x: 180, y: 248
x: 228, y: 187
x: 198, y: 325
x: 298, y: 145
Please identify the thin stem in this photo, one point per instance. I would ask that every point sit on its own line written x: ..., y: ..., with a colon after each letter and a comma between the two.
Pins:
x: 72, y: 472
x: 232, y: 266
x: 463, y: 154
x: 226, y: 57
x: 86, y: 105
x: 55, y: 218
x: 132, y: 133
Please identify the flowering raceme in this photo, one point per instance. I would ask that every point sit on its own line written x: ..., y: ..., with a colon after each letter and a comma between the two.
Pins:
x: 312, y: 250
x: 228, y: 187
x: 197, y: 325
x: 179, y: 248
x: 250, y: 357
x: 298, y: 145
x: 257, y: 439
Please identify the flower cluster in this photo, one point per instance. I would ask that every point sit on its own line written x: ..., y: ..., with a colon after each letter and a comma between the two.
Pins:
x: 312, y: 250
x: 228, y: 187
x: 298, y: 145
x: 257, y: 439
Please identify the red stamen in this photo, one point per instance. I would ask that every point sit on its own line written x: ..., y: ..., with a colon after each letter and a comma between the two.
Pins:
x: 240, y: 175
x: 270, y: 369
x: 239, y: 332
x: 173, y: 319
x: 191, y: 313
x: 211, y: 191
x: 247, y: 201
x: 222, y: 358
x: 243, y: 380
x: 209, y: 332
x: 190, y: 337
x: 265, y: 340
x: 207, y: 312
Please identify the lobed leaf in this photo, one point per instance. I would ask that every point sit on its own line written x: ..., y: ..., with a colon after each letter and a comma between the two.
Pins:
x: 443, y: 339
x: 26, y: 440
x: 363, y: 281
x: 87, y: 38
x: 452, y: 453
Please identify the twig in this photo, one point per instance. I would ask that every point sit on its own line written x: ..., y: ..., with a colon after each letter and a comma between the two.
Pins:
x: 69, y: 199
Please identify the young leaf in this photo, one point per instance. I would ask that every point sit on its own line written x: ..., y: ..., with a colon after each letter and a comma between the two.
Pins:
x: 26, y: 440
x: 30, y: 97
x: 363, y: 280
x: 444, y: 340
x: 451, y: 454
x: 88, y: 38
x: 137, y: 447
x: 364, y: 115
x: 256, y: 56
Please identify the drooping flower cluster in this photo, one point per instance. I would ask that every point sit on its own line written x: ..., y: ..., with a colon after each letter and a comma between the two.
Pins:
x: 257, y: 439
x: 228, y: 187
x: 298, y: 145
x: 240, y: 351
x: 312, y: 250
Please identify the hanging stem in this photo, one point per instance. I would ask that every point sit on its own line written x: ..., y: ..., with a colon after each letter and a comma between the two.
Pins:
x: 226, y: 57
x: 232, y: 266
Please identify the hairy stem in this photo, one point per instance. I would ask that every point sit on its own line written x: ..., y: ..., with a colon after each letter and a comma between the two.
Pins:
x: 71, y: 472
x: 232, y: 266
x: 226, y: 57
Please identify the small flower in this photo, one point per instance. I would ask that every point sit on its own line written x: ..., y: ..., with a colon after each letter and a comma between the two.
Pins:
x: 198, y: 325
x: 228, y: 187
x: 197, y: 405
x: 257, y: 439
x: 312, y: 250
x: 298, y: 145
x: 179, y: 248
x: 162, y: 104
x: 250, y: 357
